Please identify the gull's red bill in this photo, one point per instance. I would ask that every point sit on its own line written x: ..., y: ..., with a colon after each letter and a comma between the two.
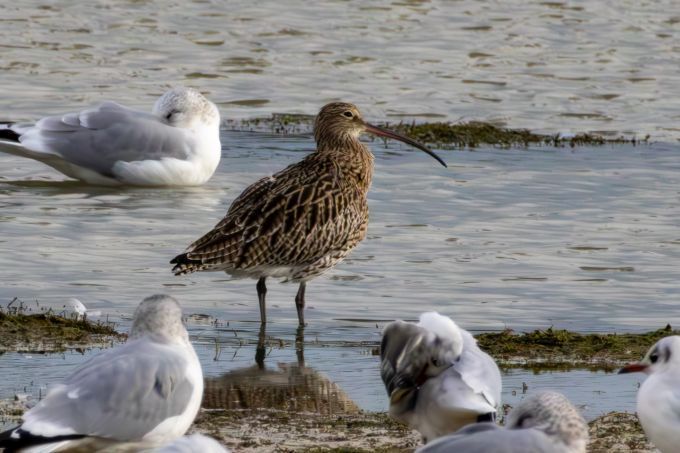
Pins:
x: 633, y: 368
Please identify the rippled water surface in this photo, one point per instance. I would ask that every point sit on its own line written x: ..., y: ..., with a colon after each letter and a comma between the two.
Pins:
x: 557, y: 66
x: 584, y: 238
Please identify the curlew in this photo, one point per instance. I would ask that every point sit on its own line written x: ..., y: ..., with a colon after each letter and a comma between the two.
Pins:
x: 303, y: 220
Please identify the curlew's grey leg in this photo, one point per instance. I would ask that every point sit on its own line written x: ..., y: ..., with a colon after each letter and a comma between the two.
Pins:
x: 300, y: 303
x: 300, y: 345
x: 260, y: 350
x: 261, y: 292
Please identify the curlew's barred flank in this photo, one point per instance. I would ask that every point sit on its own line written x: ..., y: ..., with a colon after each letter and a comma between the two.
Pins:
x: 301, y: 221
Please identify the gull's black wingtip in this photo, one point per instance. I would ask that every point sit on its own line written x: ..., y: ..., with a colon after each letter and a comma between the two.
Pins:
x: 16, y: 439
x: 8, y: 134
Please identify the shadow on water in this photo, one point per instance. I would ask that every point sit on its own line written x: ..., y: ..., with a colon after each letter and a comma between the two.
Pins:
x: 292, y: 387
x: 261, y: 348
x: 289, y: 386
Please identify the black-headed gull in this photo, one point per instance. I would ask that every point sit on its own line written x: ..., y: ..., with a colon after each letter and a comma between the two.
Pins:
x: 146, y: 391
x: 436, y: 376
x: 658, y: 400
x: 545, y: 422
x: 177, y: 144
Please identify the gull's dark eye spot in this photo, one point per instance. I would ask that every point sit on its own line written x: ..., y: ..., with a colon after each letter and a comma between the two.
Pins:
x: 348, y: 114
x: 522, y: 420
x: 169, y: 115
x: 654, y: 356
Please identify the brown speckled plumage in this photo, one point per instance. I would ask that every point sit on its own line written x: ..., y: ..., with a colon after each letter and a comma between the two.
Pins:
x: 301, y: 221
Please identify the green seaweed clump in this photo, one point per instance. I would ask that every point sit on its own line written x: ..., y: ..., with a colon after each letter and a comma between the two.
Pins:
x: 556, y: 346
x: 440, y: 134
x: 476, y: 133
x: 21, y: 330
x: 471, y: 135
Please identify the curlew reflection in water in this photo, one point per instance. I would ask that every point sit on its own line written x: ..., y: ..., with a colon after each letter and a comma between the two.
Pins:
x: 290, y: 386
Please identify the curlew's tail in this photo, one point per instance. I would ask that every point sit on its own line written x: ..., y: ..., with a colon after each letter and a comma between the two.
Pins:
x: 185, y: 265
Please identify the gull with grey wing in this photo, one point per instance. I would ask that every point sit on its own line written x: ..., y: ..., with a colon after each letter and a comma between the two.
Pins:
x: 436, y: 376
x: 658, y: 400
x: 146, y: 391
x: 542, y: 423
x: 177, y: 144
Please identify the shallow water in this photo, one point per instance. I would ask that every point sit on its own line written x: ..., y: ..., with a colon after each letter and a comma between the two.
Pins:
x: 583, y: 238
x: 356, y: 373
x: 555, y: 66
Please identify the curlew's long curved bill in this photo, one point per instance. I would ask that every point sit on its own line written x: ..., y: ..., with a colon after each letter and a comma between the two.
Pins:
x: 402, y: 138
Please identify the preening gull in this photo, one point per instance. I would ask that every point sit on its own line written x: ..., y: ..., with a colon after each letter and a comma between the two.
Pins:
x: 658, y: 400
x: 436, y: 376
x: 147, y: 391
x: 177, y: 144
x: 545, y: 422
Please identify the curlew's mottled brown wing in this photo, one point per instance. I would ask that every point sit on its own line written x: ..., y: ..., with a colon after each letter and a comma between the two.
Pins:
x: 296, y: 217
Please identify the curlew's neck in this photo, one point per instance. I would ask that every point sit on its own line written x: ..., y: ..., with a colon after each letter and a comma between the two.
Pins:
x: 352, y: 157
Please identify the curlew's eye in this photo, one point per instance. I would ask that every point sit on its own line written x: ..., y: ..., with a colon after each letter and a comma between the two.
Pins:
x: 348, y: 114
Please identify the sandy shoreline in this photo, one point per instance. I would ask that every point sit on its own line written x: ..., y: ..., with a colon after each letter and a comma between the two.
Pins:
x: 274, y: 430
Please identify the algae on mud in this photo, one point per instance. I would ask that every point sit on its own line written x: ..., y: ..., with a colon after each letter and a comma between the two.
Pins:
x: 562, y: 349
x: 442, y: 134
x: 347, y: 429
x: 273, y: 430
x: 48, y: 332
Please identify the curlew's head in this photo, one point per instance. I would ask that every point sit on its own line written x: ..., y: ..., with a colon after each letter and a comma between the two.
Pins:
x: 340, y: 122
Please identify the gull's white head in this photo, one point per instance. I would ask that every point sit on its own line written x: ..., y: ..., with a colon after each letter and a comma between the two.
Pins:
x: 413, y: 353
x: 186, y: 108
x: 553, y: 414
x: 447, y: 344
x: 663, y: 356
x: 159, y: 315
